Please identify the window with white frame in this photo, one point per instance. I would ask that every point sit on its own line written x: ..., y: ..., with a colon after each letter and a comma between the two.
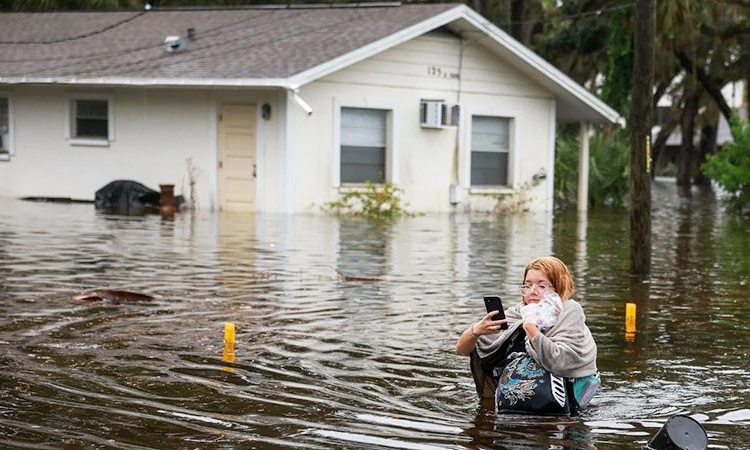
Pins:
x: 91, y: 119
x: 363, y: 145
x: 490, y: 150
x: 4, y: 126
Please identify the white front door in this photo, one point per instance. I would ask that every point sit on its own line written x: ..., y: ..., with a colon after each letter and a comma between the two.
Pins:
x: 237, y: 157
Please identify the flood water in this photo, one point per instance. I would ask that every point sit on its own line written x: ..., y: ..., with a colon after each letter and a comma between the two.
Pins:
x: 324, y: 361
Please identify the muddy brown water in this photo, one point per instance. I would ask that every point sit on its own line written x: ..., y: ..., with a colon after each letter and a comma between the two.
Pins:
x: 322, y: 361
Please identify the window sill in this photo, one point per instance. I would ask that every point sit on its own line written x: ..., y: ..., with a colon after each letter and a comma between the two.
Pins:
x: 491, y: 190
x: 356, y: 187
x: 89, y: 142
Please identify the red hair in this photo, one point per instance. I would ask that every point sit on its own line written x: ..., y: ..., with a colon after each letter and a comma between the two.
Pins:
x: 557, y: 273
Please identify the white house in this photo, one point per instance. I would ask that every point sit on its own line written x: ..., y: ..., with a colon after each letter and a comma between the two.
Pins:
x: 282, y: 108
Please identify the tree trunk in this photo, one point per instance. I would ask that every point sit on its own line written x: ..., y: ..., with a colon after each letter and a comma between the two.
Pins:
x: 521, y: 21
x: 707, y: 146
x: 479, y: 6
x: 657, y: 165
x: 685, y: 156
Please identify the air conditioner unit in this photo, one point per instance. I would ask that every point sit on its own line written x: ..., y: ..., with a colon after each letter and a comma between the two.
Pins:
x: 451, y: 115
x: 438, y: 114
x: 431, y: 113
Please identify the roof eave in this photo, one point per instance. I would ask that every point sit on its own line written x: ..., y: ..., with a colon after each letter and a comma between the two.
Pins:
x: 147, y: 82
x: 563, y: 87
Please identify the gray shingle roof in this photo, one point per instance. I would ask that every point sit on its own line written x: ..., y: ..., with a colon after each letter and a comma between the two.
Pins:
x: 253, y: 43
x: 272, y: 46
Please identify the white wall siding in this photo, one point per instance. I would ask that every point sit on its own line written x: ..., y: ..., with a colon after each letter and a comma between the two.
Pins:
x: 428, y: 161
x: 307, y: 179
x: 156, y: 132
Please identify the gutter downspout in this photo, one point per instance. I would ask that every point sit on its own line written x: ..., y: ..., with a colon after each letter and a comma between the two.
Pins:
x: 294, y: 93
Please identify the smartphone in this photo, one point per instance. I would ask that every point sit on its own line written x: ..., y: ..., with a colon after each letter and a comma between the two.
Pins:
x: 493, y: 303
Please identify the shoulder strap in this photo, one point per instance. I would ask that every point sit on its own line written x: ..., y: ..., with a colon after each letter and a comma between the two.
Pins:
x: 490, y: 362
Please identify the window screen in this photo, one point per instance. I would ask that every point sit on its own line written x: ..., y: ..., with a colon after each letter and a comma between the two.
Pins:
x: 363, y: 138
x: 490, y: 142
x: 4, y: 125
x: 91, y: 119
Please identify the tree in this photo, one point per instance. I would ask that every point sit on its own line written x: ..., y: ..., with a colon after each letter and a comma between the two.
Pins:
x: 701, y: 46
x: 730, y: 168
x: 703, y: 40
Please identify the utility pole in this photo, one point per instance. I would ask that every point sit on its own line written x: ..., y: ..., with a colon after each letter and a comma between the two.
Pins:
x: 641, y: 118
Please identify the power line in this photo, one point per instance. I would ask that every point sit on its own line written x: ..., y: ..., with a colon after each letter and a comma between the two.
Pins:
x: 598, y: 12
x: 219, y: 30
x: 106, y: 59
x: 80, y: 36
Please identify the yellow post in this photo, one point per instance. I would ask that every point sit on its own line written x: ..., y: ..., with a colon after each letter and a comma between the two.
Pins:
x: 229, y: 330
x: 229, y: 333
x: 630, y: 317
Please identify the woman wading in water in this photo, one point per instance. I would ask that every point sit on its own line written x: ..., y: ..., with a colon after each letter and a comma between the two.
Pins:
x: 547, y: 324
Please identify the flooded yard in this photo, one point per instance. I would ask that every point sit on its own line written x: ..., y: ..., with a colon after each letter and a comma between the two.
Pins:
x: 345, y: 331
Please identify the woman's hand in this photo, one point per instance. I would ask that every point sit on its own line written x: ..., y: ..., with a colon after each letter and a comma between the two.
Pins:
x: 468, y: 339
x: 487, y: 325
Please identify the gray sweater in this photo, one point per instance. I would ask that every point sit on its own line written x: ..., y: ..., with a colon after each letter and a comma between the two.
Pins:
x: 567, y: 349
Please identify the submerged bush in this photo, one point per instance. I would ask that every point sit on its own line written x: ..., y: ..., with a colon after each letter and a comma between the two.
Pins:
x: 730, y: 168
x: 379, y: 202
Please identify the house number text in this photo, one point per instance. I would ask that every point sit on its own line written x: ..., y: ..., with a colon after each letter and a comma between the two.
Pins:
x: 435, y: 71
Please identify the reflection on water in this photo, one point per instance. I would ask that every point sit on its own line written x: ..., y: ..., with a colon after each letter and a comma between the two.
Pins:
x: 326, y: 361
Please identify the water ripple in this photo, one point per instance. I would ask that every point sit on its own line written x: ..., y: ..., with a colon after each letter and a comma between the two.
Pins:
x: 323, y: 361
